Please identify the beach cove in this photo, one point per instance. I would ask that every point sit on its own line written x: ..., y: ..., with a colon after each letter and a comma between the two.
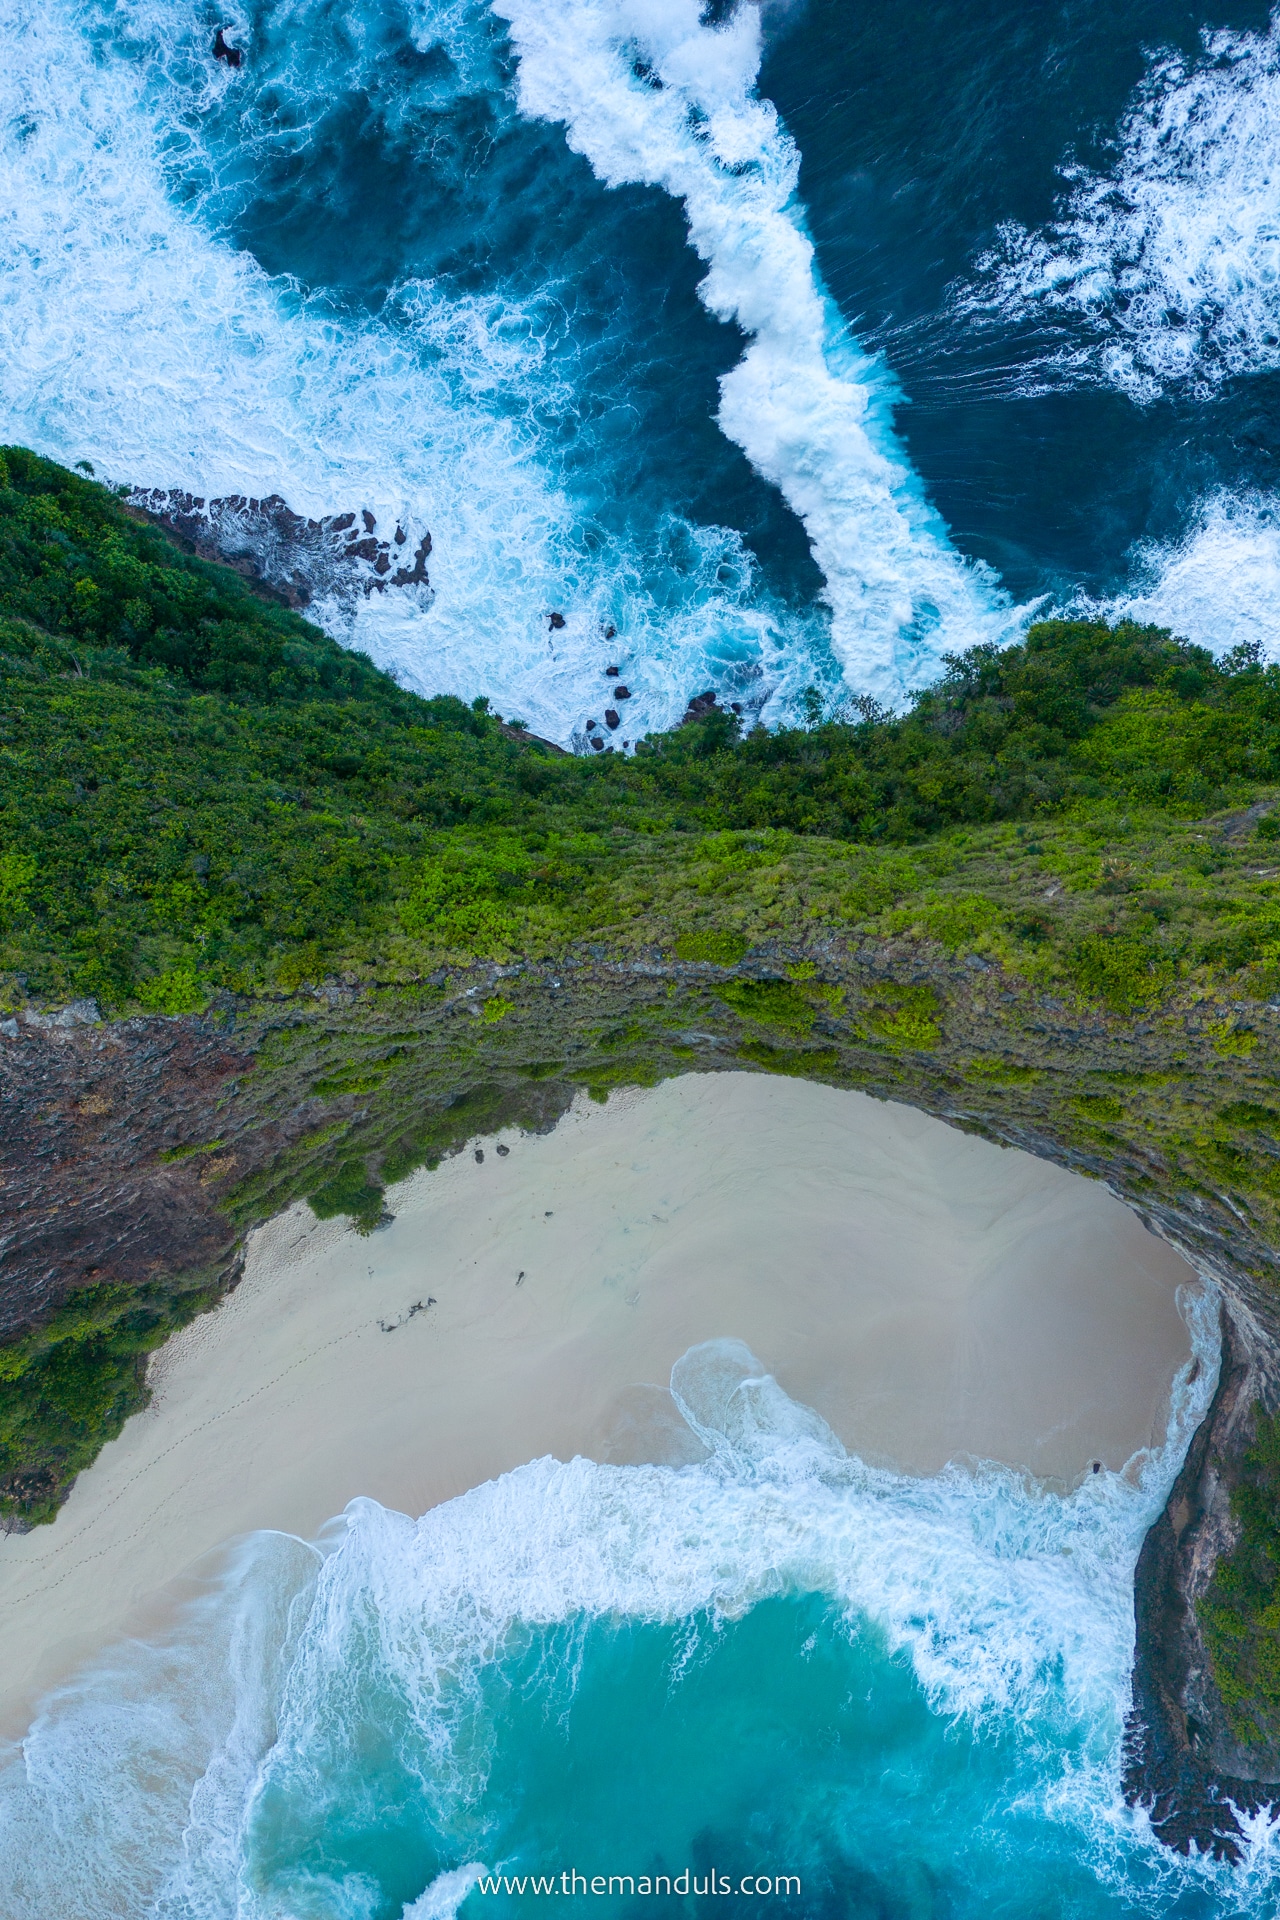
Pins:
x: 931, y: 1297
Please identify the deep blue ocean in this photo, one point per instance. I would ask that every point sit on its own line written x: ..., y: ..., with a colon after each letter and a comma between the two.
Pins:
x: 800, y: 344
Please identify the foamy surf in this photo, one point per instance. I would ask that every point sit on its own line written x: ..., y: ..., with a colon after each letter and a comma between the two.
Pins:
x: 380, y: 1680
x: 1165, y: 263
x: 650, y: 93
x: 1219, y: 586
x: 135, y: 337
x: 138, y: 336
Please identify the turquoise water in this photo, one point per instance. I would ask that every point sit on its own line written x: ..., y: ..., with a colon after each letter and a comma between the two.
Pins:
x: 907, y: 1693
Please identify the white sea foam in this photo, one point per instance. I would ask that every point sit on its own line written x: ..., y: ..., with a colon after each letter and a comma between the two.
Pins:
x: 132, y: 336
x: 1169, y: 255
x: 648, y: 93
x: 1013, y: 1606
x: 1219, y: 586
x: 445, y: 1894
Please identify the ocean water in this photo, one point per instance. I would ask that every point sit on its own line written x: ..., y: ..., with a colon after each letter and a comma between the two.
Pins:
x: 907, y: 1694
x: 800, y: 342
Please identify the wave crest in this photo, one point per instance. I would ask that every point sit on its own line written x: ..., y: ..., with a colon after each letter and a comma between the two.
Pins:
x: 1162, y: 269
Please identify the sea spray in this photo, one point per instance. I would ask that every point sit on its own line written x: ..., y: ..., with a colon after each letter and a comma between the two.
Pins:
x: 331, y: 1735
x: 1219, y: 585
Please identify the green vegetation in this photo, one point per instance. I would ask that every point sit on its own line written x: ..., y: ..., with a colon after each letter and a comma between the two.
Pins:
x: 68, y: 1386
x: 1240, y: 1614
x: 201, y: 792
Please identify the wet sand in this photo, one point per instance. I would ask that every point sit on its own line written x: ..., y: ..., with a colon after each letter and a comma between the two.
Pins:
x: 932, y: 1296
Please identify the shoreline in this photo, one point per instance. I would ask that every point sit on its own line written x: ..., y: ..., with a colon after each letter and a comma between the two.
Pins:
x: 931, y: 1296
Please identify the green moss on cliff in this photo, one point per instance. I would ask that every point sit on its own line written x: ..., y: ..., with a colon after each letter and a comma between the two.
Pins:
x: 1240, y: 1614
x: 69, y: 1385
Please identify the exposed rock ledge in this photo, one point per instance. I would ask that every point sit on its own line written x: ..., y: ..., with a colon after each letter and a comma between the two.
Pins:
x: 341, y: 557
x: 1182, y: 1760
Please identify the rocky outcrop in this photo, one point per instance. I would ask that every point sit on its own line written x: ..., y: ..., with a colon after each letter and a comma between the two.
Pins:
x: 1183, y: 1761
x: 341, y: 557
x: 87, y: 1113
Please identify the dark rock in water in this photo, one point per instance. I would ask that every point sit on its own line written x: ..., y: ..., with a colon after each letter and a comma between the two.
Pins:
x: 479, y: 1156
x: 611, y: 673
x: 597, y: 742
x: 622, y: 693
x: 369, y: 522
x: 1182, y: 1760
x: 401, y: 536
x: 612, y: 719
x: 504, y: 1151
x: 556, y: 620
x: 701, y: 703
x: 415, y: 576
x: 611, y: 633
x: 297, y: 559
x: 591, y: 726
x: 233, y: 56
x: 735, y: 706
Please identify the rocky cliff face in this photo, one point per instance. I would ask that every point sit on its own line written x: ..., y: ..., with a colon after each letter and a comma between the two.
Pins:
x: 87, y: 1112
x: 146, y: 1148
x: 1183, y: 1760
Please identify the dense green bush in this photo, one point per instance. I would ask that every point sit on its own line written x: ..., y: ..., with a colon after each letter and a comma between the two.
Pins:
x: 69, y: 1386
x: 199, y: 790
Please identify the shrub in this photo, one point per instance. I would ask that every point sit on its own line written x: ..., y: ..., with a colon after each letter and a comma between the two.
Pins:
x: 806, y: 1062
x: 771, y: 1003
x: 1123, y: 971
x: 718, y: 948
x: 905, y: 1016
x: 349, y: 1192
x: 177, y: 991
x: 954, y: 920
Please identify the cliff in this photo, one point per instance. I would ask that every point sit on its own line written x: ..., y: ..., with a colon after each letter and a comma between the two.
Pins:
x: 271, y: 927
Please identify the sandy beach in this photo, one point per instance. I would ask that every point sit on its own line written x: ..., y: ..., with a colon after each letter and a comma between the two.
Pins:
x: 931, y: 1296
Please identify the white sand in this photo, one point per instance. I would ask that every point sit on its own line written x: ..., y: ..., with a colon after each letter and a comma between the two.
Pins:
x: 932, y: 1296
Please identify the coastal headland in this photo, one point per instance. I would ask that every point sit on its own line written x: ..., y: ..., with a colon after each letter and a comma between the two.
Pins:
x: 276, y: 930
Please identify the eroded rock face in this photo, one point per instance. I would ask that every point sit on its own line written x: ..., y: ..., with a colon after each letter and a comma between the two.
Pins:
x: 85, y: 1112
x: 339, y: 558
x: 1183, y: 1761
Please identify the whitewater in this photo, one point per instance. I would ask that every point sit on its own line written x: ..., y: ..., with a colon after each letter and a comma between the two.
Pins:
x: 360, y: 1727
x: 437, y: 408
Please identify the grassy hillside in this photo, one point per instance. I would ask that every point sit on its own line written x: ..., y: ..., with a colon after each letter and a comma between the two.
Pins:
x: 201, y: 792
